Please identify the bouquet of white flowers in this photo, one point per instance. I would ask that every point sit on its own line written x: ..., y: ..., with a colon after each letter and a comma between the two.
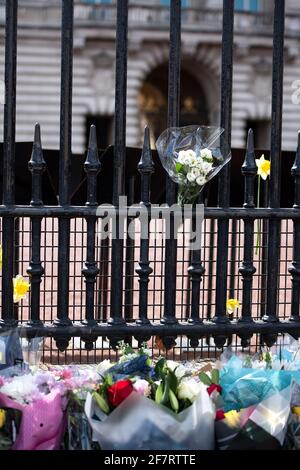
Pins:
x: 192, y: 156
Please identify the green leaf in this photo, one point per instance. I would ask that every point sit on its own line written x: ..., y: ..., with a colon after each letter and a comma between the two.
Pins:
x: 205, y: 378
x: 178, y: 167
x: 215, y: 376
x: 159, y: 367
x: 173, y: 381
x: 159, y: 393
x: 173, y: 401
x: 101, y: 402
x: 165, y: 397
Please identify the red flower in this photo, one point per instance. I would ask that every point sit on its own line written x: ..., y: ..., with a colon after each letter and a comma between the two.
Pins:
x: 214, y: 387
x: 220, y: 415
x: 119, y: 391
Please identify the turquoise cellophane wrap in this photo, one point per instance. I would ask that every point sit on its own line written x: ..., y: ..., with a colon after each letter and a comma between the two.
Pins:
x: 242, y: 387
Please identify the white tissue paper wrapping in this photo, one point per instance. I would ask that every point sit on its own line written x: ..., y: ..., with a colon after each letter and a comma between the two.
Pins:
x: 139, y: 423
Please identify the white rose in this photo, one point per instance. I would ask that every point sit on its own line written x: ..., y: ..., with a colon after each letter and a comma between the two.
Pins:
x: 193, y: 174
x: 189, y: 390
x: 178, y: 369
x: 181, y: 157
x: 190, y: 154
x: 191, y: 177
x: 201, y: 180
x: 206, y: 167
x: 206, y: 154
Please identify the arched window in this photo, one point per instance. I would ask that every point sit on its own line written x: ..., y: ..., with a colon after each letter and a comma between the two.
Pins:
x: 247, y: 5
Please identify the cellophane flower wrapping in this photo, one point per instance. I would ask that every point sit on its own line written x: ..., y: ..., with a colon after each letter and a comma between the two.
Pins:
x: 243, y: 387
x: 11, y: 354
x: 43, y: 421
x: 139, y: 423
x: 292, y: 441
x: 259, y: 427
x: 192, y: 156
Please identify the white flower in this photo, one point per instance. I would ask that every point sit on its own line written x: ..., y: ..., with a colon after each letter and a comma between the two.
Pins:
x: 189, y: 390
x: 181, y: 156
x: 21, y: 388
x: 191, y: 156
x: 206, y: 167
x: 193, y: 174
x: 191, y: 177
x: 187, y: 157
x: 190, y: 153
x: 178, y: 369
x: 201, y: 180
x: 206, y: 154
x: 103, y: 366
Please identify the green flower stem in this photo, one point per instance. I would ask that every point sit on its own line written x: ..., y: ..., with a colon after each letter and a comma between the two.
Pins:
x: 187, y: 194
x: 258, y: 235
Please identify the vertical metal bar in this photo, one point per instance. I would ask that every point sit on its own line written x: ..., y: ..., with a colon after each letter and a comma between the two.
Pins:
x: 247, y: 268
x: 90, y: 271
x: 119, y: 159
x: 195, y: 271
x: 264, y: 254
x: 295, y: 268
x: 103, y: 280
x: 35, y: 270
x: 146, y: 168
x: 275, y: 156
x: 8, y: 196
x: 169, y: 316
x: 232, y: 276
x: 224, y: 178
x: 65, y: 162
x: 129, y: 256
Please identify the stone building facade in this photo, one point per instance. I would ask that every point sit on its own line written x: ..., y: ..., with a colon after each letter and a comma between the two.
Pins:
x: 38, y: 77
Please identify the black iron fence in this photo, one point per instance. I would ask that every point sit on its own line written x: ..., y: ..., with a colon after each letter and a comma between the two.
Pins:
x: 110, y: 304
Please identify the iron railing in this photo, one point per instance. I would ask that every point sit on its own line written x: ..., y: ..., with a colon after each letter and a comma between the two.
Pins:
x: 122, y: 322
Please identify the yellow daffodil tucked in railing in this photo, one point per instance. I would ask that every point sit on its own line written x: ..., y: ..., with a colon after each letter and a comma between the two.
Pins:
x: 0, y: 256
x: 21, y: 287
x: 263, y: 172
x: 231, y: 305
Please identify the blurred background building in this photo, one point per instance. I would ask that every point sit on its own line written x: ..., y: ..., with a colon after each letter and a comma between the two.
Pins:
x: 38, y: 82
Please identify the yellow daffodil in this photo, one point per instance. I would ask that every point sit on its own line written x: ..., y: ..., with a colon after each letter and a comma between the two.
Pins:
x: 263, y: 167
x: 2, y: 418
x: 231, y: 305
x: 21, y: 287
x: 296, y: 410
x: 0, y: 257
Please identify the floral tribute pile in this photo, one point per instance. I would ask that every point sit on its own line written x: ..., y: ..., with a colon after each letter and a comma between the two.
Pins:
x: 238, y: 402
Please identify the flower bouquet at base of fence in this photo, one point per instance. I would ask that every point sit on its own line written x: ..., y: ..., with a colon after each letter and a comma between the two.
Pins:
x: 42, y: 397
x: 42, y: 407
x: 259, y: 427
x: 78, y: 435
x: 192, y: 156
x: 248, y: 380
x: 144, y: 405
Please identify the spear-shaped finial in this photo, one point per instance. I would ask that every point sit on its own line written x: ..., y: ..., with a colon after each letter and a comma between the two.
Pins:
x: 92, y: 167
x: 146, y: 163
